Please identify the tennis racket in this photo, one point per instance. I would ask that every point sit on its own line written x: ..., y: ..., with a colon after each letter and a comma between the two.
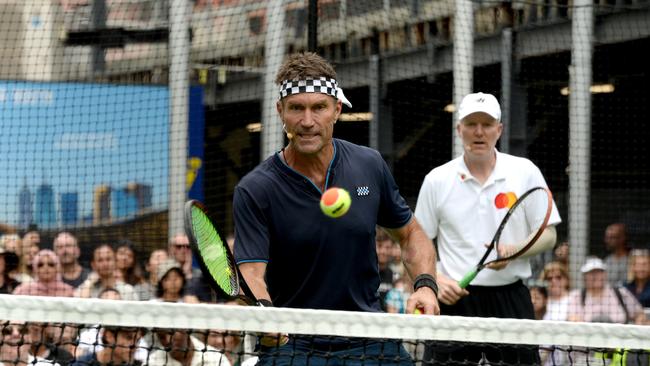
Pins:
x: 524, y: 222
x: 214, y: 256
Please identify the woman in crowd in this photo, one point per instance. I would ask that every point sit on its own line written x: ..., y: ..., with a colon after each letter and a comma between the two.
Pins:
x: 126, y: 262
x: 47, y: 277
x: 556, y: 276
x: 171, y: 283
x: 558, y: 284
x: 639, y: 286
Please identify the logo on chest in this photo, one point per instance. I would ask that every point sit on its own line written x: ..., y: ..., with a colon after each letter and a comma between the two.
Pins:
x: 363, y: 191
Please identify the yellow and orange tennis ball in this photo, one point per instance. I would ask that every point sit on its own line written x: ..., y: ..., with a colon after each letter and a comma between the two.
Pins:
x: 335, y: 202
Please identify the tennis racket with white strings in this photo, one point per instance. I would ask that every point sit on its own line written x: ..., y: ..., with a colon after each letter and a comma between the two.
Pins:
x: 524, y: 223
x: 214, y: 256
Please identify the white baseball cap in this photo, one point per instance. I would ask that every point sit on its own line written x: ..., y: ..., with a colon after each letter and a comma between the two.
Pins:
x: 479, y: 102
x: 592, y: 264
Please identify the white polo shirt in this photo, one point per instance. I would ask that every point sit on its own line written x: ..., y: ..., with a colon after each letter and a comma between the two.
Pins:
x: 461, y: 215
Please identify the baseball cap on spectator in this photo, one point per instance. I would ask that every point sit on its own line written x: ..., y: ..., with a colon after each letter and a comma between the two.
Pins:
x: 167, y: 265
x: 593, y: 264
x: 479, y: 102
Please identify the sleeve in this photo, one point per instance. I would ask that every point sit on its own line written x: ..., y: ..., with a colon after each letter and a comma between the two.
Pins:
x: 393, y: 210
x: 425, y: 208
x: 537, y: 180
x: 251, y: 230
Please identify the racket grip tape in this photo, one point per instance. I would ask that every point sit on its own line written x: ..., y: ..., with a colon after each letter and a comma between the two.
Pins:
x: 467, y: 278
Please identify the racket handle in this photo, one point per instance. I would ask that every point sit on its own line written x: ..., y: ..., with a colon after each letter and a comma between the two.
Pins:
x: 467, y: 279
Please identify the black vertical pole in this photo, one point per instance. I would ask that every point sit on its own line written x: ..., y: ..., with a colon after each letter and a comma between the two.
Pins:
x: 98, y: 18
x: 312, y: 28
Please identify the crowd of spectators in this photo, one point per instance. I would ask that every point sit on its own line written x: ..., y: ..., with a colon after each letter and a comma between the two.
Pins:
x: 615, y: 289
x: 114, y: 272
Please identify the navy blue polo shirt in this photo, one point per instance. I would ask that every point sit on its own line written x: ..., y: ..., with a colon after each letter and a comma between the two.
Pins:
x: 314, y: 261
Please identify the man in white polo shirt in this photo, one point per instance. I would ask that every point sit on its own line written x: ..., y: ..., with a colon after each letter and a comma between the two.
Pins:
x: 456, y: 207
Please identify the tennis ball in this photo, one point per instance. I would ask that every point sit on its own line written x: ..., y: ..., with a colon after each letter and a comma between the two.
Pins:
x: 335, y: 202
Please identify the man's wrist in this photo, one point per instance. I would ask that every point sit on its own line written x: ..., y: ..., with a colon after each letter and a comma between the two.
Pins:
x: 426, y: 280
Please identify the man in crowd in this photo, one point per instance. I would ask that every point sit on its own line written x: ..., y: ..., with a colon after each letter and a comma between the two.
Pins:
x: 179, y: 249
x: 66, y: 248
x: 617, y: 260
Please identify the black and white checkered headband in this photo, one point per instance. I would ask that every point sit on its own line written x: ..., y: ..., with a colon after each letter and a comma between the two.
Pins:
x: 309, y: 85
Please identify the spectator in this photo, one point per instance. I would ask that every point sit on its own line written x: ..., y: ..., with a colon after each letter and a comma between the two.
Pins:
x: 128, y: 269
x: 539, y: 296
x: 146, y: 290
x: 556, y: 277
x: 557, y: 280
x: 396, y: 265
x: 8, y: 262
x: 231, y: 343
x: 599, y: 301
x: 14, y: 346
x: 397, y: 296
x: 120, y: 346
x: 639, y: 286
x: 30, y: 245
x: 384, y: 245
x: 561, y: 254
x: 47, y: 277
x: 228, y: 342
x: 44, y: 347
x: 179, y: 249
x: 617, y: 260
x: 12, y: 243
x: 171, y: 283
x: 103, y: 265
x: 67, y: 248
x: 89, y: 337
x: 179, y: 348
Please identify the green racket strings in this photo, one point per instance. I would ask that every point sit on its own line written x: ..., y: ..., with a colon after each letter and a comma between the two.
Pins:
x: 214, y: 253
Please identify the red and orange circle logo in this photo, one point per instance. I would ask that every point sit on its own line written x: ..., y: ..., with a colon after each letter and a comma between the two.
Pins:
x: 505, y: 200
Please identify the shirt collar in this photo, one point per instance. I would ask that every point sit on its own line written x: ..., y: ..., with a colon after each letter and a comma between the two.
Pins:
x: 499, y: 172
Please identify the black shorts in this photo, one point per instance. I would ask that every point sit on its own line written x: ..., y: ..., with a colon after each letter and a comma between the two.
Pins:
x: 509, y: 301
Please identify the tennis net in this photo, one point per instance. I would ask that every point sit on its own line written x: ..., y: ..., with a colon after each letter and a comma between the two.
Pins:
x: 43, y: 330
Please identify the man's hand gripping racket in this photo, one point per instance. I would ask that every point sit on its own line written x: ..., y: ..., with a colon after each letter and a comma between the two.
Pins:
x: 218, y: 263
x: 532, y: 210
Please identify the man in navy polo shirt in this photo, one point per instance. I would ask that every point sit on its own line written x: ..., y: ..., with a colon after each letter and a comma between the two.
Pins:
x: 290, y: 253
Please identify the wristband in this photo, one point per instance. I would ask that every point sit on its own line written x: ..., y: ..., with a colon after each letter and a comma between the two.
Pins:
x: 426, y: 280
x: 265, y: 303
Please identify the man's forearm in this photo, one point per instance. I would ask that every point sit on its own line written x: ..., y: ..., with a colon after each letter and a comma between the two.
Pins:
x: 418, y: 253
x: 253, y: 274
x: 546, y: 241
